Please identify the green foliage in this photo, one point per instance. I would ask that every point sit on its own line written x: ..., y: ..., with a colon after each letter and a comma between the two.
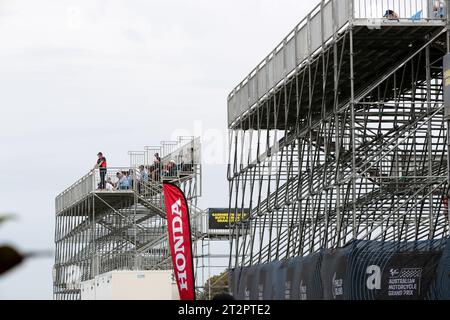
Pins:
x: 9, y: 258
x: 215, y: 285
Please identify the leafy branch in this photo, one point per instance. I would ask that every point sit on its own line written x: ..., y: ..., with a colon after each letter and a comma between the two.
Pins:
x: 9, y: 257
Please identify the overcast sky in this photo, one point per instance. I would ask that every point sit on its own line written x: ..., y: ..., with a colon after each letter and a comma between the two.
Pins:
x: 82, y: 76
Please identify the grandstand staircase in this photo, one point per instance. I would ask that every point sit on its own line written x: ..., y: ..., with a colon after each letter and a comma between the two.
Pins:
x: 142, y: 229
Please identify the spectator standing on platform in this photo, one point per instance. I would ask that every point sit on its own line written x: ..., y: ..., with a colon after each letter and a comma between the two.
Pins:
x: 101, y: 164
x: 141, y: 177
x: 130, y: 177
x: 156, y: 174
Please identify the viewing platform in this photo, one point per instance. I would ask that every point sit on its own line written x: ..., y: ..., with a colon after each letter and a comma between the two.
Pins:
x: 86, y: 186
x: 182, y: 156
x: 319, y: 44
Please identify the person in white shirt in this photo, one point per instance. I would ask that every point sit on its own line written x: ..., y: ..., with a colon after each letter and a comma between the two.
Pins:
x: 143, y: 174
x: 109, y: 185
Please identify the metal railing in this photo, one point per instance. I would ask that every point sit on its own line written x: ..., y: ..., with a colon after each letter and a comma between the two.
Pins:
x: 76, y: 192
x: 179, y: 159
x: 318, y: 28
x: 184, y: 149
x: 199, y: 222
x: 91, y: 182
x: 123, y: 180
x: 107, y: 262
x: 411, y: 10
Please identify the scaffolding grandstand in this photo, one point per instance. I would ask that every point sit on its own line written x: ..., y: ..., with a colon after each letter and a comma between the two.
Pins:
x: 340, y: 133
x: 98, y: 230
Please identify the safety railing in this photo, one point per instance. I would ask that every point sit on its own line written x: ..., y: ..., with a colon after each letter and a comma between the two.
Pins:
x: 148, y: 184
x: 76, y: 192
x: 172, y: 161
x: 114, y: 261
x: 313, y: 32
x: 109, y: 180
x: 199, y: 221
x: 400, y: 10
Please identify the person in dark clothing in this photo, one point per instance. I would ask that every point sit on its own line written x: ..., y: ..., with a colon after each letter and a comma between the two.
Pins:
x: 156, y: 175
x: 101, y: 164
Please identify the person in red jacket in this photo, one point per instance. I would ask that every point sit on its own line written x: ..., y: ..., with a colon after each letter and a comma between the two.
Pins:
x: 101, y: 164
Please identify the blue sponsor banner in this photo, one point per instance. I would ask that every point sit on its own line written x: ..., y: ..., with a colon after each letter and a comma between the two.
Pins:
x: 362, y: 270
x: 392, y: 270
x: 440, y: 288
x: 334, y: 274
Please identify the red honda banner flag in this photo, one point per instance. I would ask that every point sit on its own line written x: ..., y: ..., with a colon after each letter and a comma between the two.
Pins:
x: 179, y: 230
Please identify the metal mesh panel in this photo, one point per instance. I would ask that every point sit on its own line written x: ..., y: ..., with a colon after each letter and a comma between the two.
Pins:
x: 302, y: 44
x: 239, y: 102
x: 262, y: 81
x: 328, y: 21
x: 279, y: 67
x: 243, y: 99
x: 253, y: 94
x: 271, y: 73
x: 290, y: 55
x: 342, y: 12
x: 137, y: 158
x: 231, y: 109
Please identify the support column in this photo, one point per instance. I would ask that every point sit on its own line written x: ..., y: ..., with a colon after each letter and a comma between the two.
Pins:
x: 337, y: 143
x: 353, y: 135
x: 430, y: 137
x: 137, y: 258
x: 94, y: 262
x: 448, y: 120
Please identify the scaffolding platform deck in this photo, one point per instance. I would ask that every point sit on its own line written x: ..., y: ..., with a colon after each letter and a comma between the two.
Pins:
x: 101, y: 201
